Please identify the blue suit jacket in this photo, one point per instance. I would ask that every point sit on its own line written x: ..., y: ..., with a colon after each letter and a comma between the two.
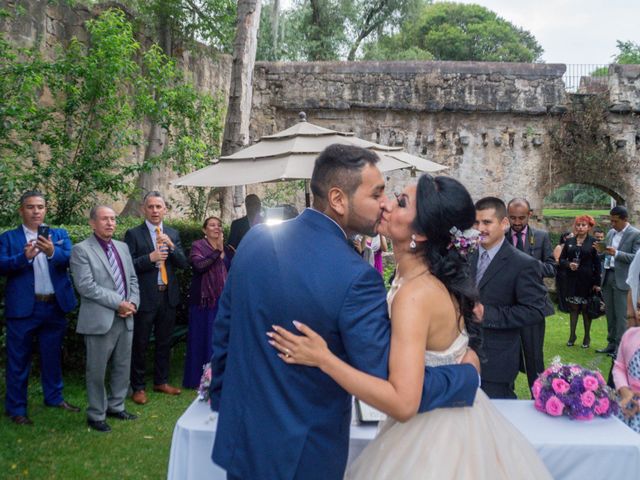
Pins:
x: 278, y: 421
x: 20, y: 293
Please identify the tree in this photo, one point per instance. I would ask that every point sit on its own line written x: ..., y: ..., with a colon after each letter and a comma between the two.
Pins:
x: 628, y: 53
x: 236, y: 129
x: 452, y: 31
x: 328, y: 29
x: 76, y: 141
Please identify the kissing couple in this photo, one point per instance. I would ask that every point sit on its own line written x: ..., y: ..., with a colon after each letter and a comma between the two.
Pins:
x: 286, y: 413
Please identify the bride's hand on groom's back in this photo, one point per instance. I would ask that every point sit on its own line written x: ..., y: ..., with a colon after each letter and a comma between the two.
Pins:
x: 471, y: 358
x: 307, y: 349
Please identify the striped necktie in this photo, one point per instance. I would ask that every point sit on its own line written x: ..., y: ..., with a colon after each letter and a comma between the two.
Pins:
x: 115, y: 270
x: 484, y: 262
x: 163, y: 267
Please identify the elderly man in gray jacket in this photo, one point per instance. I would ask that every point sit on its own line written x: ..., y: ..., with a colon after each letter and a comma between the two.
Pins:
x: 104, y: 276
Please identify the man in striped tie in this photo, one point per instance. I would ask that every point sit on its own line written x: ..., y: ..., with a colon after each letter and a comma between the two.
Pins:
x: 104, y: 276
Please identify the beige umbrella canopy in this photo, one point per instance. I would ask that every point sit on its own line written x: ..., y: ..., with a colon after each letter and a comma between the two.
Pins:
x: 290, y: 155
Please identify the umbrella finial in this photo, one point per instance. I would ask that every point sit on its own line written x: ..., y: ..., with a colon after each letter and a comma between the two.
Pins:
x: 302, y: 116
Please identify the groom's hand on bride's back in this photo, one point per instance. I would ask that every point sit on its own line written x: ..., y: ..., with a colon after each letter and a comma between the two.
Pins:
x: 471, y: 358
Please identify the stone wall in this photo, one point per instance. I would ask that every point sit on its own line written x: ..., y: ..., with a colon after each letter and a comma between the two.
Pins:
x: 488, y: 122
x: 47, y: 25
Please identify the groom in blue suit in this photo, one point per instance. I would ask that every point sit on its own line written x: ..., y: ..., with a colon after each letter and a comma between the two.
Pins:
x: 284, y: 422
x: 38, y: 294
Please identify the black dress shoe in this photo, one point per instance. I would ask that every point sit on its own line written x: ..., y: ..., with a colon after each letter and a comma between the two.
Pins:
x: 99, y: 425
x: 607, y: 349
x: 123, y: 415
x: 20, y: 420
x: 66, y: 406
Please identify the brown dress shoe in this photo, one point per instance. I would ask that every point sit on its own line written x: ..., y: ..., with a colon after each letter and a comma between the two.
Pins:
x: 166, y: 388
x: 21, y: 420
x: 66, y: 406
x: 139, y: 397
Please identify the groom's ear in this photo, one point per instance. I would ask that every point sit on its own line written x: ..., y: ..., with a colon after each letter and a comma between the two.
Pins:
x: 338, y: 201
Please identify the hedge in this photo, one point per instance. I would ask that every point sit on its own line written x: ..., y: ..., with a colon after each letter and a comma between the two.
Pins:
x: 73, y: 353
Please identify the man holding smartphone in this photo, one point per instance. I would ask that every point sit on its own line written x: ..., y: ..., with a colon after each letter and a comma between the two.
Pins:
x: 38, y: 294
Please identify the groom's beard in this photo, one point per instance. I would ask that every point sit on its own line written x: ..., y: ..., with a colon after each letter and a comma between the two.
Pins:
x: 365, y: 226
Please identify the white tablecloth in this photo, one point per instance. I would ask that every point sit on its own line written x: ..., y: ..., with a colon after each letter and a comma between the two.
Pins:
x: 571, y: 450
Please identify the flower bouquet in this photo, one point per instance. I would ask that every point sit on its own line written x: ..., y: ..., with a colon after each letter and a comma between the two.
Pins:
x: 573, y: 391
x: 205, y: 381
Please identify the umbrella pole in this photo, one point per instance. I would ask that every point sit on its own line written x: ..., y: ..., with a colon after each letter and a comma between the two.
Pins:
x: 307, y: 193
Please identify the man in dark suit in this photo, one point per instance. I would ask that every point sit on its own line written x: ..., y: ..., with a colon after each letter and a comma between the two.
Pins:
x: 241, y: 226
x: 537, y: 244
x: 38, y: 294
x: 622, y: 243
x: 512, y: 293
x: 284, y: 422
x: 157, y: 254
x: 106, y: 281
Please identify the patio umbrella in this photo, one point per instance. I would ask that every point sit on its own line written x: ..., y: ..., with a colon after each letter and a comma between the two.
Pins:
x: 291, y: 154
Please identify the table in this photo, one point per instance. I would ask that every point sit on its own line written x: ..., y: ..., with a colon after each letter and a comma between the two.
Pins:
x: 599, y: 449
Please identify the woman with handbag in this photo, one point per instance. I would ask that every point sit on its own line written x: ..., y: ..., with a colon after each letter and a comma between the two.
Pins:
x: 580, y: 261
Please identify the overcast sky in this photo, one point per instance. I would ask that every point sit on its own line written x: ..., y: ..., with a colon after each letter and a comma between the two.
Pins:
x: 573, y: 31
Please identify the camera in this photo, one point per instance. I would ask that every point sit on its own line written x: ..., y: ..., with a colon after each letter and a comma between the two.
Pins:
x: 43, y: 230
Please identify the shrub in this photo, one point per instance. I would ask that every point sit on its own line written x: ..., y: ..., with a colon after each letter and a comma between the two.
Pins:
x: 73, y: 346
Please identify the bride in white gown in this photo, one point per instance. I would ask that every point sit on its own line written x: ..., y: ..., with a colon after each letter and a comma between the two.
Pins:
x: 431, y: 308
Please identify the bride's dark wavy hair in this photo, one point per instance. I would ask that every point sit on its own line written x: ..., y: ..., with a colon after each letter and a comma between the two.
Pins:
x: 443, y: 203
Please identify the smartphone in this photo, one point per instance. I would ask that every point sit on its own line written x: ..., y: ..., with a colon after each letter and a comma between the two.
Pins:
x: 43, y: 230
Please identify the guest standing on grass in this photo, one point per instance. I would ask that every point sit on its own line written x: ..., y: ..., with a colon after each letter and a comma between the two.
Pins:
x: 104, y: 276
x: 210, y: 260
x: 579, y: 259
x: 38, y: 294
x: 157, y: 255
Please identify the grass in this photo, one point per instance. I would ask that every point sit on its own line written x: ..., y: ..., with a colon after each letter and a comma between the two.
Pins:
x: 60, y: 445
x: 560, y: 212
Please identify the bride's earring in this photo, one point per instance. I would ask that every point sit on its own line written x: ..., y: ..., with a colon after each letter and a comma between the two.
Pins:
x: 412, y: 245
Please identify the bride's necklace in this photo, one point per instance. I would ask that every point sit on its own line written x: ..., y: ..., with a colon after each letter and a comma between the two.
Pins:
x: 400, y: 280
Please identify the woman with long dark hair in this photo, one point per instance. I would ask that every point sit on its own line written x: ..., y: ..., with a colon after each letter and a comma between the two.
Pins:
x: 210, y: 259
x: 432, y: 302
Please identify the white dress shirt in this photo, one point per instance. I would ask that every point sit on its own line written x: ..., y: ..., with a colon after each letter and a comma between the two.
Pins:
x: 43, y: 285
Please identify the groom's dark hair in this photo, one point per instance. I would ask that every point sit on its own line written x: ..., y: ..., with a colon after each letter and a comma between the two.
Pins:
x: 339, y: 166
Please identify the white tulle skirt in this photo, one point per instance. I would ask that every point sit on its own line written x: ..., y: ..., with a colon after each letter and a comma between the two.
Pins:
x: 472, y: 443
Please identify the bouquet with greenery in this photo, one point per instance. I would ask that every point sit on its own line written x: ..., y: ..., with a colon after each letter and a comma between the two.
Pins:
x: 574, y: 391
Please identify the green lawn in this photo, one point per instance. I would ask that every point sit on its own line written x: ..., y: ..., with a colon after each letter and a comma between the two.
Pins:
x: 60, y: 446
x: 557, y: 212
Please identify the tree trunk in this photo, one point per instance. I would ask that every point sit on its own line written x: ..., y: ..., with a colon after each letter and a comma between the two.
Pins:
x: 236, y: 129
x: 156, y: 138
x: 275, y: 20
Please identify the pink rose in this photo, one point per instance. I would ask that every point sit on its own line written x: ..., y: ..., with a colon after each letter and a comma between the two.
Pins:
x: 535, y: 389
x: 560, y: 386
x: 547, y: 372
x: 587, y: 398
x: 600, y: 377
x: 575, y: 370
x: 590, y: 382
x: 602, y: 406
x: 554, y: 406
x: 538, y: 404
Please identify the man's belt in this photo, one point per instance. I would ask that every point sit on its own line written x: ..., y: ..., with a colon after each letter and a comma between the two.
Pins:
x: 49, y: 298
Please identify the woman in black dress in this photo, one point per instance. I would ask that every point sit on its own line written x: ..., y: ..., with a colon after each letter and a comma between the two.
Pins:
x: 580, y: 261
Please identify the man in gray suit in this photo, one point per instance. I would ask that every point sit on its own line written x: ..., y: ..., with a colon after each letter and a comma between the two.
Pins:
x: 622, y: 243
x: 537, y: 244
x: 104, y: 276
